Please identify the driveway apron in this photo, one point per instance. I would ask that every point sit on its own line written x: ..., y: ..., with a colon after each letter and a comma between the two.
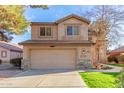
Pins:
x: 44, y: 78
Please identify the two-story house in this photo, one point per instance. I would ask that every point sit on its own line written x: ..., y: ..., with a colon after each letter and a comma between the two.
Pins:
x: 64, y: 44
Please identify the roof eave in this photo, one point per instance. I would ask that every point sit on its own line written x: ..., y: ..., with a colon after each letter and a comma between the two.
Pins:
x: 43, y: 23
x: 75, y: 16
x: 26, y: 42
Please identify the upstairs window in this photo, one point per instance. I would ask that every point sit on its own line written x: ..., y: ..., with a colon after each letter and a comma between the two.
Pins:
x: 45, y: 31
x: 72, y: 30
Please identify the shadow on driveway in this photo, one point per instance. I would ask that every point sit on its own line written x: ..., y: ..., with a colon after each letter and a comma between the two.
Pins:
x: 36, y: 72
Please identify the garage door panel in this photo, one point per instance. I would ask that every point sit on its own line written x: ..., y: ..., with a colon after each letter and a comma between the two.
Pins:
x: 52, y: 59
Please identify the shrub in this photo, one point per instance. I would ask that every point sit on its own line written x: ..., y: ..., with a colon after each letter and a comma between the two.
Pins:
x: 115, y: 59
x: 106, y: 67
x: 101, y: 66
x: 16, y: 62
x: 112, y: 58
x: 120, y: 80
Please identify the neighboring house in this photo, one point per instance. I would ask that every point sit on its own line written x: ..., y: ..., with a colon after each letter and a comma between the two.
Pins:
x: 9, y: 51
x: 64, y: 44
x: 116, y: 52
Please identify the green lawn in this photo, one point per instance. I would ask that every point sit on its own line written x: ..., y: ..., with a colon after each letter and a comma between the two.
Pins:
x: 99, y: 79
x: 119, y: 65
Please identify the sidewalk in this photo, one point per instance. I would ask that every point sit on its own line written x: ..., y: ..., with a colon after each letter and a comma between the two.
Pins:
x: 114, y: 69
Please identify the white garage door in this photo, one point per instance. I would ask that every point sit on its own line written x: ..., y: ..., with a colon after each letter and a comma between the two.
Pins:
x: 53, y: 59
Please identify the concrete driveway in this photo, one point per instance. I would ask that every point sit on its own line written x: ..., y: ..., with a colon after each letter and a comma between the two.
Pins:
x: 44, y: 78
x: 7, y: 70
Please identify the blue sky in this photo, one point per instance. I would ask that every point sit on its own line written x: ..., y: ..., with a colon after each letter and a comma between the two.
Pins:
x: 50, y: 15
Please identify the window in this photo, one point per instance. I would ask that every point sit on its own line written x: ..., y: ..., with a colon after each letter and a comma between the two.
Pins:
x: 4, y: 54
x: 42, y: 31
x: 45, y: 31
x: 72, y: 30
x: 69, y: 30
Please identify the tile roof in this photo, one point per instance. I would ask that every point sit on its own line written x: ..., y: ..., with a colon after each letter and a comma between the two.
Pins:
x: 117, y: 51
x: 11, y: 46
x: 121, y: 49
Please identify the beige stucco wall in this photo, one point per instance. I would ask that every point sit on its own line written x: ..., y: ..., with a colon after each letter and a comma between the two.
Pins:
x: 6, y: 59
x: 35, y: 34
x: 83, y: 30
x: 78, y: 48
x: 58, y: 31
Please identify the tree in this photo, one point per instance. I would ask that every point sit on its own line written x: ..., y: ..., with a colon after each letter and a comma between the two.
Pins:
x: 107, y: 22
x: 13, y: 21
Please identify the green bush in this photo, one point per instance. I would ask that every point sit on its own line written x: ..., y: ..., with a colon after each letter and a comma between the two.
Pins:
x: 112, y: 58
x: 115, y: 59
x: 109, y: 59
x: 16, y: 62
x: 120, y: 80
